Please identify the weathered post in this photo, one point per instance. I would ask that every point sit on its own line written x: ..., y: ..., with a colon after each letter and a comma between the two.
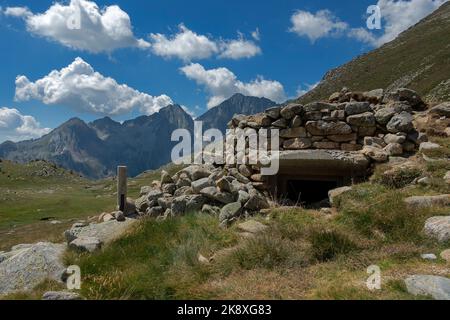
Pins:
x: 121, y: 187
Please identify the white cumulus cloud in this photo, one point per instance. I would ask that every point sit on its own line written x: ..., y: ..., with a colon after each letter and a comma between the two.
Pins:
x: 396, y: 17
x: 316, y: 25
x: 221, y: 84
x: 81, y: 88
x: 188, y: 45
x: 15, y: 126
x: 82, y: 25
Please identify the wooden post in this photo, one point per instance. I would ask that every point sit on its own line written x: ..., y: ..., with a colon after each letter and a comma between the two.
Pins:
x: 121, y: 187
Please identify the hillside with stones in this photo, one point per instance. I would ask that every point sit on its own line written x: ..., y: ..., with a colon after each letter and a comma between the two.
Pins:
x: 418, y: 59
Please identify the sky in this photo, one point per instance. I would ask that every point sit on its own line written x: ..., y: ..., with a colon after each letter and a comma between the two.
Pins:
x: 90, y: 59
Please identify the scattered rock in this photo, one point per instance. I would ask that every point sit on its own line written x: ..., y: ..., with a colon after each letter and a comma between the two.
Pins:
x: 61, y: 295
x: 445, y: 255
x: 230, y: 211
x: 427, y: 285
x: 333, y: 194
x: 86, y: 244
x: 428, y: 256
x: 438, y: 228
x: 252, y: 226
x: 201, y: 184
x: 428, y: 201
x: 402, y: 122
x: 427, y: 146
x: 442, y: 110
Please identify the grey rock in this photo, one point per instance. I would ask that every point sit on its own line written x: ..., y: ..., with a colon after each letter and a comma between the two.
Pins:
x: 280, y: 123
x: 119, y: 216
x: 230, y: 211
x: 165, y: 203
x: 86, y: 244
x: 428, y: 201
x: 297, y: 144
x: 145, y: 190
x: 299, y: 132
x: 106, y: 232
x: 353, y: 108
x: 195, y: 203
x: 61, y: 295
x: 402, y: 122
x: 325, y: 128
x: 210, y: 210
x: 291, y: 111
x: 155, y: 212
x: 427, y: 285
x: 235, y: 173
x: 142, y: 204
x: 25, y: 268
x: 243, y: 197
x: 438, y: 228
x: 366, y: 119
x: 394, y: 149
x: 197, y: 172
x: 165, y: 178
x: 394, y: 138
x: 154, y: 195
x: 333, y: 194
x: 256, y: 202
x: 201, y: 184
x: 384, y: 115
x: 179, y: 205
x: 428, y: 256
x: 274, y: 112
x: 426, y: 146
x: 252, y: 226
x: 245, y: 170
x: 169, y: 188
x: 442, y: 110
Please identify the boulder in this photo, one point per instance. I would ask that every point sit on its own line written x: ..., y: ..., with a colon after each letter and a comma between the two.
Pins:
x: 291, y: 111
x: 333, y: 194
x: 299, y: 132
x: 445, y: 255
x: 374, y: 142
x: 86, y: 244
x: 154, y: 195
x: 376, y: 154
x: 319, y: 106
x: 297, y: 144
x: 427, y: 285
x: 407, y: 95
x: 243, y: 197
x: 374, y: 96
x: 196, y: 172
x: 366, y: 119
x: 427, y: 146
x: 325, y: 128
x: 245, y: 170
x: 119, y: 216
x: 183, y: 191
x: 394, y: 149
x: 214, y: 194
x: 442, y: 110
x: 402, y: 122
x: 169, y: 188
x: 201, y: 184
x: 353, y: 108
x: 384, y: 115
x: 239, y: 177
x: 165, y: 178
x: 274, y: 112
x: 230, y: 211
x: 155, y: 212
x: 256, y: 202
x: 280, y: 123
x: 195, y: 203
x: 394, y: 138
x: 224, y: 184
x: 252, y: 226
x: 211, y: 210
x: 438, y: 228
x: 142, y: 204
x: 428, y: 201
x: 61, y: 295
x: 27, y: 266
x: 296, y: 122
x: 105, y: 231
x: 179, y: 205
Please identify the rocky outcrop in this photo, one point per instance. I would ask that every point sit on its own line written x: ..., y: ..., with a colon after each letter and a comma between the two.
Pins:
x: 28, y: 265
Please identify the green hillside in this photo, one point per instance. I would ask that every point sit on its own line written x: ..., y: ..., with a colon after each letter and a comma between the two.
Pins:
x: 418, y: 59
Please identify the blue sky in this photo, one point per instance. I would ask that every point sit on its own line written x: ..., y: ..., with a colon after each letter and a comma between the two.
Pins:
x: 254, y: 47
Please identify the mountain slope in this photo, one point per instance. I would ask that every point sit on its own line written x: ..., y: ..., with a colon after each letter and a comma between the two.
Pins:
x: 419, y: 59
x: 219, y: 116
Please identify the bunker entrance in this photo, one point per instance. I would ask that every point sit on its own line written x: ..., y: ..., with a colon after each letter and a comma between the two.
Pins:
x: 309, y: 193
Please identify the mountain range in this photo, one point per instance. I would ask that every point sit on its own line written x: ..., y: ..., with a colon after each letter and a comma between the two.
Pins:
x: 95, y: 149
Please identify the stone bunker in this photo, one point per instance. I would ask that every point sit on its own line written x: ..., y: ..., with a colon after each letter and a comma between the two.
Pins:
x: 325, y: 145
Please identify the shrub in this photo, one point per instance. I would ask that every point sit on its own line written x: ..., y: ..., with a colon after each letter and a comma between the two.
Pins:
x: 328, y: 244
